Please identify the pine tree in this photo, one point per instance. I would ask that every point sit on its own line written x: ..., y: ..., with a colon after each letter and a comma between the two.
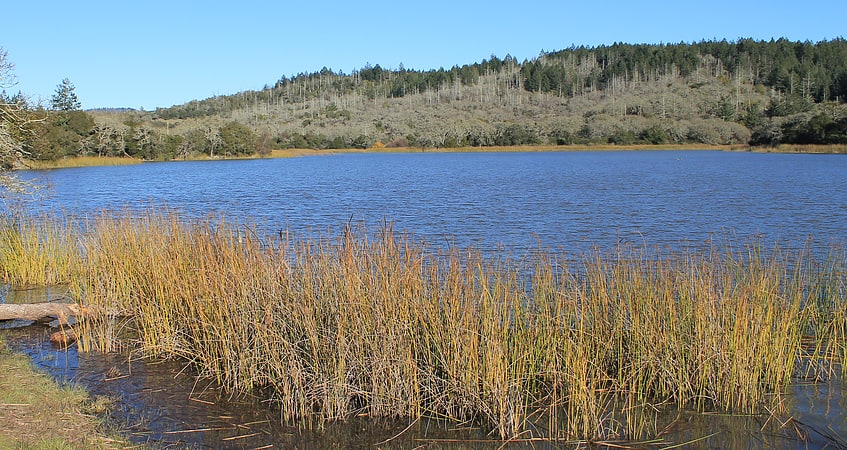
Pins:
x: 65, y: 98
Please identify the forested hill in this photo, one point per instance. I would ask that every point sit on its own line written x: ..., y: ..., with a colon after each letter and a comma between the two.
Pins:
x: 817, y: 72
x: 709, y: 92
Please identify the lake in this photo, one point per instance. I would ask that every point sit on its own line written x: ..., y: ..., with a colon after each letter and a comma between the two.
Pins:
x: 515, y: 201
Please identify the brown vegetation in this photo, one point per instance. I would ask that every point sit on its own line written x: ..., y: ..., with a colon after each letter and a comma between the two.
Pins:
x: 386, y: 326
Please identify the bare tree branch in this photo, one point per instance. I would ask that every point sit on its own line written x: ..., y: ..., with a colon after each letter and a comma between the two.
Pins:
x: 15, y: 123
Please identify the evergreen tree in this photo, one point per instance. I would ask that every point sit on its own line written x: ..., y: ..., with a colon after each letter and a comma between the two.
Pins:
x: 65, y: 98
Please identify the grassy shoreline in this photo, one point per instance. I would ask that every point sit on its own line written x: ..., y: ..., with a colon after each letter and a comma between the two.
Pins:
x: 89, y: 161
x: 35, y: 412
x: 381, y: 325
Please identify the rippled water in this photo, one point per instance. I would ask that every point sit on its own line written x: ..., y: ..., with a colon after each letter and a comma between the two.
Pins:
x: 569, y: 200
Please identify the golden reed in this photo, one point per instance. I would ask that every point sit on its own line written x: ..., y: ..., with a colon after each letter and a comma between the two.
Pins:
x: 381, y: 324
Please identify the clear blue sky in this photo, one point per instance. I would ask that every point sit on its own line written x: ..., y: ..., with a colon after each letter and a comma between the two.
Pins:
x: 159, y: 53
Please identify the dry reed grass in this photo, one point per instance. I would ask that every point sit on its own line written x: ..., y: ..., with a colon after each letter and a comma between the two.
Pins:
x: 809, y: 148
x: 288, y: 153
x: 82, y: 161
x: 382, y: 325
x: 37, y: 251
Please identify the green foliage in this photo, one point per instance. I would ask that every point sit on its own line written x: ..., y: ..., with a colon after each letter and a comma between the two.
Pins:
x: 515, y: 134
x: 654, y: 135
x: 65, y: 98
x: 194, y: 143
x: 768, y: 134
x: 61, y: 134
x: 782, y: 106
x: 711, y: 92
x: 752, y: 117
x: 543, y: 76
x: 623, y: 138
x: 168, y: 147
x: 361, y: 141
x: 337, y: 142
x: 238, y: 139
x: 725, y: 108
x: 816, y: 72
x: 819, y: 129
x: 469, y: 75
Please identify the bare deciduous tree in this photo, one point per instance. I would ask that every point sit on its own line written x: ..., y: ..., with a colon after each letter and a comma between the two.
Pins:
x: 213, y: 135
x: 14, y: 119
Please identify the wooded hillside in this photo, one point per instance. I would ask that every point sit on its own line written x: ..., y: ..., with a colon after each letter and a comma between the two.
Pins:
x: 710, y: 92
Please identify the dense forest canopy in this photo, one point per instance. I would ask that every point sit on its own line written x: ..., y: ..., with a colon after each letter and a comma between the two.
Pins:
x: 708, y: 92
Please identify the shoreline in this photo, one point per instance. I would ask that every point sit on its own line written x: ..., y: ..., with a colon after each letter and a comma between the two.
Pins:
x: 31, y: 402
x: 97, y: 161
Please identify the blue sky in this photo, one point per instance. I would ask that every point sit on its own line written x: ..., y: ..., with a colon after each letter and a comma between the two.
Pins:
x: 159, y: 53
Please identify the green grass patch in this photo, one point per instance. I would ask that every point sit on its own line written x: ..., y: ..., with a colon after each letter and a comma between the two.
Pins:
x: 36, y: 413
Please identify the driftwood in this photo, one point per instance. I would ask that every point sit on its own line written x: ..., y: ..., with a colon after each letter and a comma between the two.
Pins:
x: 38, y: 311
x: 63, y: 313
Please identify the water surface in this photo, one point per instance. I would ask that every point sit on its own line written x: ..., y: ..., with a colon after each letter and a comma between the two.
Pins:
x: 569, y: 200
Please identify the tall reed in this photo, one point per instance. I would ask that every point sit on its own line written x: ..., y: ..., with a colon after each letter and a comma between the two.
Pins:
x: 380, y: 324
x: 38, y: 251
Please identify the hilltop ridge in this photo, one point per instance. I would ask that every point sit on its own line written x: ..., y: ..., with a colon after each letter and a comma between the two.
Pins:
x: 709, y: 92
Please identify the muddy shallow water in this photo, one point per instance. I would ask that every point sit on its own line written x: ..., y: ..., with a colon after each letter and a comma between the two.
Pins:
x: 162, y: 404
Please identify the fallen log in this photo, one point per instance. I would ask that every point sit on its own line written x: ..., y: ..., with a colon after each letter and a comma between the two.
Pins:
x: 39, y: 311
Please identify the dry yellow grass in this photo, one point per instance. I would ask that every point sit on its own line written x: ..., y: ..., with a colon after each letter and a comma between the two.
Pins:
x: 788, y: 148
x: 286, y: 153
x: 37, y: 252
x: 82, y: 161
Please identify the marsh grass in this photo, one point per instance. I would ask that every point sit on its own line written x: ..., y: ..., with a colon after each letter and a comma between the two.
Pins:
x: 381, y: 325
x: 37, y: 251
x: 810, y: 148
x: 288, y: 153
x: 82, y: 161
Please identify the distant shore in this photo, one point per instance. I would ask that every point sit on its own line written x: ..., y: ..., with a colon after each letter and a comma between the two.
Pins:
x: 504, y: 149
x: 90, y: 161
